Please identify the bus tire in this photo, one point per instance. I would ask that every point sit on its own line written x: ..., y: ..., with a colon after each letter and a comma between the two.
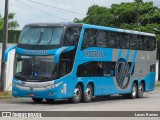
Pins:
x: 87, y: 97
x: 77, y: 94
x: 134, y: 91
x: 37, y: 100
x: 140, y: 90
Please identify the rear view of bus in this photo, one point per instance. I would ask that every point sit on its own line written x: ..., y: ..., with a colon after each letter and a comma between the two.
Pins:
x: 79, y: 61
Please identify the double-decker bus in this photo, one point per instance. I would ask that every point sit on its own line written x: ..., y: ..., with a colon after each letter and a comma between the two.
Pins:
x: 79, y: 61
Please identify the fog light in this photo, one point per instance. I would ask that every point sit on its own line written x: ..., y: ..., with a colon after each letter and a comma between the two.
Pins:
x: 51, y: 93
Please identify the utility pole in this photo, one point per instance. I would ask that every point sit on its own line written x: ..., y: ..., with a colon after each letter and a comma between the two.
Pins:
x: 4, y: 46
x: 138, y: 2
x: 138, y: 15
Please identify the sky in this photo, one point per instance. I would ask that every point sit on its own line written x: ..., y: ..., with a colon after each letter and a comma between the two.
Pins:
x: 30, y: 12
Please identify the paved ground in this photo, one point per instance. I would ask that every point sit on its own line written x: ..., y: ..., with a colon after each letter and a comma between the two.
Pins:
x: 150, y: 102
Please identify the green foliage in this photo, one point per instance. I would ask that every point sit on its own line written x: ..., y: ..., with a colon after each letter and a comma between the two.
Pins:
x: 12, y: 24
x: 13, y: 35
x: 124, y: 16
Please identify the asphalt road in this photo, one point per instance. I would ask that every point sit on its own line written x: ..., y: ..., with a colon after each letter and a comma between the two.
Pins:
x: 150, y: 102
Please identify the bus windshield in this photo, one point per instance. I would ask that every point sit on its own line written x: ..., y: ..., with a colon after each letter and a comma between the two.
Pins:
x: 34, y: 67
x: 41, y: 35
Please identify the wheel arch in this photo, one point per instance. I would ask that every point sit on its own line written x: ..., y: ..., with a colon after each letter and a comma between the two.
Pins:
x: 92, y: 84
x: 135, y: 81
x: 144, y: 83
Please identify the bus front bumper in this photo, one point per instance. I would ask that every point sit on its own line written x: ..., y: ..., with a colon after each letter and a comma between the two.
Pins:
x: 50, y: 92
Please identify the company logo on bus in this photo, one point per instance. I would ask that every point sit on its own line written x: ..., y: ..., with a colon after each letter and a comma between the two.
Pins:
x: 122, y: 73
x: 94, y: 53
x: 36, y: 52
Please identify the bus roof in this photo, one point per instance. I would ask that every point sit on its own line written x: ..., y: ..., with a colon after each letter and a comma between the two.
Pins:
x: 67, y: 24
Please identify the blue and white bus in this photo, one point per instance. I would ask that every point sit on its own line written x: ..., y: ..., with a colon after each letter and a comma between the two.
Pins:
x: 78, y: 61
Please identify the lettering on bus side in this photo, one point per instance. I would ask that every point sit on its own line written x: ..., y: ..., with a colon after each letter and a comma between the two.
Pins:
x: 94, y: 54
x: 36, y: 52
x: 122, y: 73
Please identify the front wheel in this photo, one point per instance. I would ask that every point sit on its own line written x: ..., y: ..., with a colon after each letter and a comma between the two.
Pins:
x: 134, y: 90
x: 77, y: 94
x: 140, y: 90
x: 37, y: 100
x: 88, y: 94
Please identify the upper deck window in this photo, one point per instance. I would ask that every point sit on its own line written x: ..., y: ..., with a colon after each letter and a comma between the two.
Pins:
x: 41, y: 35
x: 72, y: 35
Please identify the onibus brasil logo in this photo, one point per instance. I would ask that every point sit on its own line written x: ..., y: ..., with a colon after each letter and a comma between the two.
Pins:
x: 122, y: 73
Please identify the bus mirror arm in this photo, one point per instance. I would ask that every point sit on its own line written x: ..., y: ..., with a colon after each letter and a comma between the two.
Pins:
x: 61, y: 50
x: 7, y: 52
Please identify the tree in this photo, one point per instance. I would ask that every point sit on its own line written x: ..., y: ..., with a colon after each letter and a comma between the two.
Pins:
x: 12, y: 24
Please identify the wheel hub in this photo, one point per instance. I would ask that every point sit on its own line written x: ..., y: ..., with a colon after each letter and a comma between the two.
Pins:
x: 134, y: 91
x: 76, y: 93
x: 88, y: 92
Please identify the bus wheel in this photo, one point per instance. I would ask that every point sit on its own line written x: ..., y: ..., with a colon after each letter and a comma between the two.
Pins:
x: 134, y: 92
x: 88, y: 94
x: 77, y: 94
x: 49, y: 100
x: 140, y: 90
x: 37, y: 100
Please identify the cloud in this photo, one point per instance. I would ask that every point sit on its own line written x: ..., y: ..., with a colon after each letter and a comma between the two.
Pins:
x: 26, y: 14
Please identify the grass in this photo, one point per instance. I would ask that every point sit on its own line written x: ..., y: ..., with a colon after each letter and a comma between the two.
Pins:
x: 5, y: 94
x: 158, y: 84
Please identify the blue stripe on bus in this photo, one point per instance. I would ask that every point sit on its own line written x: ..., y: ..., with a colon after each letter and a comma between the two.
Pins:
x: 119, y: 54
x: 127, y: 56
x: 133, y: 60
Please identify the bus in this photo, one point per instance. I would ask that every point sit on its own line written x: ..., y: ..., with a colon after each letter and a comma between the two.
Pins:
x: 78, y: 61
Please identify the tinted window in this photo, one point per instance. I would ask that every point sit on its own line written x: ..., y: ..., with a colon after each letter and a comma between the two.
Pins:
x: 101, y: 38
x: 148, y: 43
x: 91, y: 69
x: 140, y: 42
x: 113, y: 40
x: 145, y: 40
x: 152, y: 43
x: 89, y: 38
x: 41, y: 35
x: 124, y: 41
x: 72, y: 35
x: 134, y: 42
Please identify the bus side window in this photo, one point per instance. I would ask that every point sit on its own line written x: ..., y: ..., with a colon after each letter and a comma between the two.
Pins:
x: 152, y: 43
x: 140, y: 43
x: 89, y: 38
x: 134, y: 42
x: 101, y: 38
x: 146, y: 43
x: 114, y: 40
x: 124, y: 42
x: 72, y: 36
